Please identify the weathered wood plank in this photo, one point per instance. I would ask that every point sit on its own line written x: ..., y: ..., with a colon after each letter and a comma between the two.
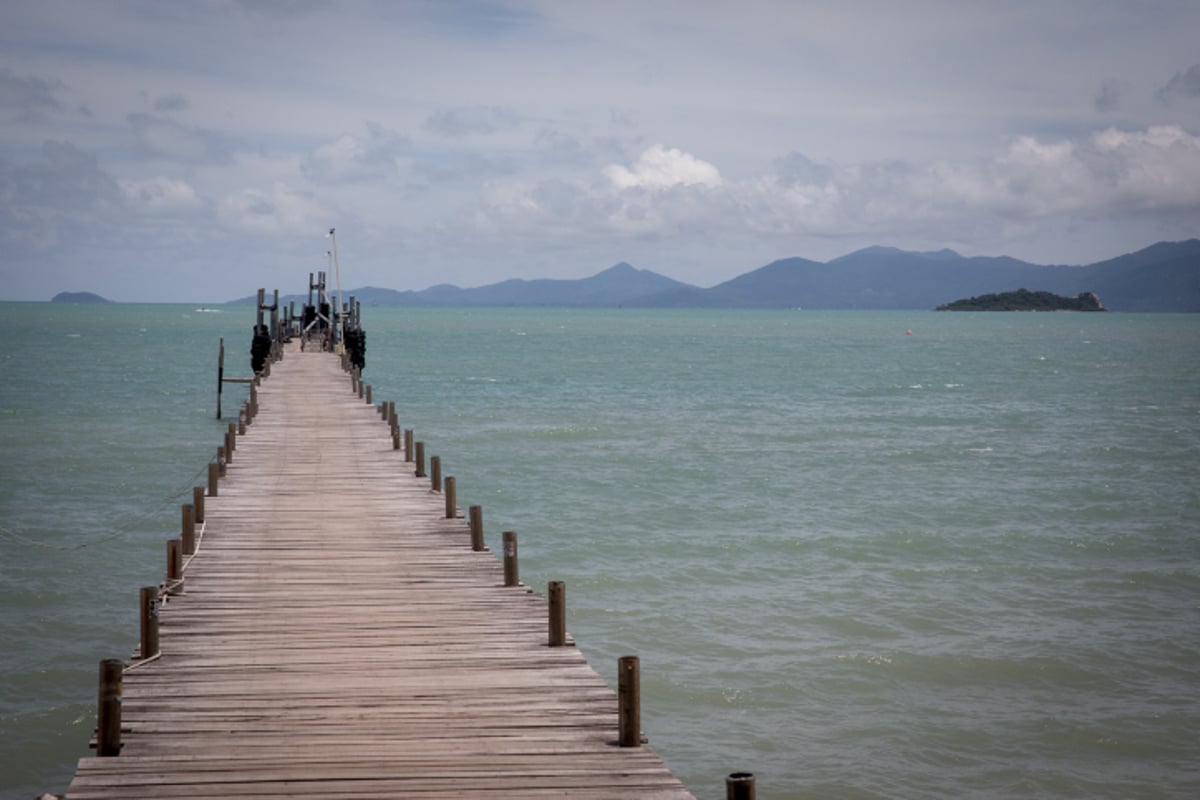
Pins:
x: 338, y: 637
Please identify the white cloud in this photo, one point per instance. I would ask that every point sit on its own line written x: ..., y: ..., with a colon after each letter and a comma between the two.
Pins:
x: 659, y: 168
x: 281, y: 210
x: 159, y: 194
x: 354, y: 159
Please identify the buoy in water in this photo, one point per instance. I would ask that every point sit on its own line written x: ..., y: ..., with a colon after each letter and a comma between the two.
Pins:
x: 908, y: 332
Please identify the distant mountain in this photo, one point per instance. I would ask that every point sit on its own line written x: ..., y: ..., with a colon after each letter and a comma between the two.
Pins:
x: 78, y: 297
x: 1162, y: 277
x: 615, y: 286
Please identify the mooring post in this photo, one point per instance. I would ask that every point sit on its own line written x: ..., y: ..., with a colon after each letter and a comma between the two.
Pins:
x: 220, y: 462
x: 435, y: 473
x: 232, y: 436
x: 369, y: 401
x: 188, y: 529
x: 420, y: 471
x: 629, y: 702
x: 228, y: 448
x: 408, y: 444
x: 148, y: 614
x: 557, y: 592
x: 243, y: 420
x: 395, y: 439
x: 511, y: 577
x: 198, y: 504
x: 392, y: 414
x: 214, y: 472
x: 739, y: 786
x: 108, y: 709
x: 476, y: 515
x: 220, y: 375
x: 451, y: 500
x: 174, y: 565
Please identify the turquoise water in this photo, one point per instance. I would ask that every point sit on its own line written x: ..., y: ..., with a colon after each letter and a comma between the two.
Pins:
x: 856, y: 562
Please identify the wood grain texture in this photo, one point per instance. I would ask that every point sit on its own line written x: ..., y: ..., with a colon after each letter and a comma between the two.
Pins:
x: 338, y: 637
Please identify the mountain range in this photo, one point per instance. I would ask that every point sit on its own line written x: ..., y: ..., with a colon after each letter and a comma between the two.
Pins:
x: 1162, y: 277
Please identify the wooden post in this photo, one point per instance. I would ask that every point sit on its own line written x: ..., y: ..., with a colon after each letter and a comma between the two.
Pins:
x: 174, y: 565
x: 739, y: 786
x: 629, y: 702
x: 511, y: 577
x: 395, y: 439
x: 188, y: 529
x: 148, y: 608
x: 214, y: 472
x: 558, y: 613
x: 360, y: 387
x: 198, y: 504
x: 220, y: 462
x: 392, y: 414
x: 435, y: 470
x: 476, y: 514
x: 228, y: 448
x: 451, y: 500
x: 408, y: 444
x: 233, y: 436
x: 220, y: 375
x: 243, y: 420
x: 420, y: 471
x: 108, y: 710
x: 369, y: 401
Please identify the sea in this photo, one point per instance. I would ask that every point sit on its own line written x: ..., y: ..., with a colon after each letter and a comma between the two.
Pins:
x: 901, y: 554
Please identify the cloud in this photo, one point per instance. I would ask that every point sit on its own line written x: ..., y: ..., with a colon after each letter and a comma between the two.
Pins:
x: 356, y: 159
x: 281, y: 210
x: 1183, y: 85
x: 23, y: 98
x: 1108, y: 98
x: 159, y: 195
x: 168, y: 139
x: 476, y: 120
x: 660, y: 168
x: 171, y: 102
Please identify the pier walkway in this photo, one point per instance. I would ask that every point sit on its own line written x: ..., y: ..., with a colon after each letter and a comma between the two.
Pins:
x: 338, y: 637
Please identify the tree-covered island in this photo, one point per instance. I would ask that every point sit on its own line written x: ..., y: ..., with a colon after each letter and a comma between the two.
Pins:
x: 1025, y: 300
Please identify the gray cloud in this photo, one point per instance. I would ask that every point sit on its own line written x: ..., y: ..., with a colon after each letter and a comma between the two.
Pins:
x: 482, y: 120
x: 1183, y: 85
x: 168, y: 139
x: 22, y: 98
x: 1108, y: 98
x: 171, y: 102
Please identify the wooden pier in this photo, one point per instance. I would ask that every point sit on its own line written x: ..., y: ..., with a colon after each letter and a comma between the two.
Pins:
x: 337, y: 635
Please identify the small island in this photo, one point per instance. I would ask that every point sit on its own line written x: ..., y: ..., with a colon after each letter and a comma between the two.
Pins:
x: 78, y: 297
x: 1025, y: 300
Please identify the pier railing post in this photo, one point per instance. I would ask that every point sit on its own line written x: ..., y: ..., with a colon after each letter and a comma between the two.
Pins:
x: 368, y: 398
x: 187, y: 529
x: 229, y: 437
x: 108, y: 709
x: 198, y: 503
x: 435, y: 473
x: 220, y: 462
x: 511, y: 577
x: 739, y: 786
x: 476, y: 514
x: 214, y: 472
x: 629, y: 702
x: 408, y: 445
x: 174, y: 565
x: 558, y: 613
x: 451, y: 500
x: 420, y: 470
x: 148, y: 615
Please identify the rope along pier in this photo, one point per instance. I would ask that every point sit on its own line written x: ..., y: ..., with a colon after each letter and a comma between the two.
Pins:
x: 340, y: 631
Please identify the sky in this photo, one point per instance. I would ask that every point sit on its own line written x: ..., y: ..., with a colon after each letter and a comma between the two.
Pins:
x: 196, y: 151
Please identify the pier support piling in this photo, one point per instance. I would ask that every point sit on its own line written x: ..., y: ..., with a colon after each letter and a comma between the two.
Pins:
x: 557, y: 591
x: 739, y: 786
x: 108, y: 709
x: 451, y: 498
x: 629, y: 702
x: 511, y: 576
x: 476, y: 515
x: 148, y: 615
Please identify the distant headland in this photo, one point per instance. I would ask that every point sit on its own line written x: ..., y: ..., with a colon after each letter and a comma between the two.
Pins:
x: 78, y: 297
x: 1025, y: 300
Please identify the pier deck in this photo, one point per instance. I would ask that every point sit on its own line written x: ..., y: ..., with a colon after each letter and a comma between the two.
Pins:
x: 338, y: 637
